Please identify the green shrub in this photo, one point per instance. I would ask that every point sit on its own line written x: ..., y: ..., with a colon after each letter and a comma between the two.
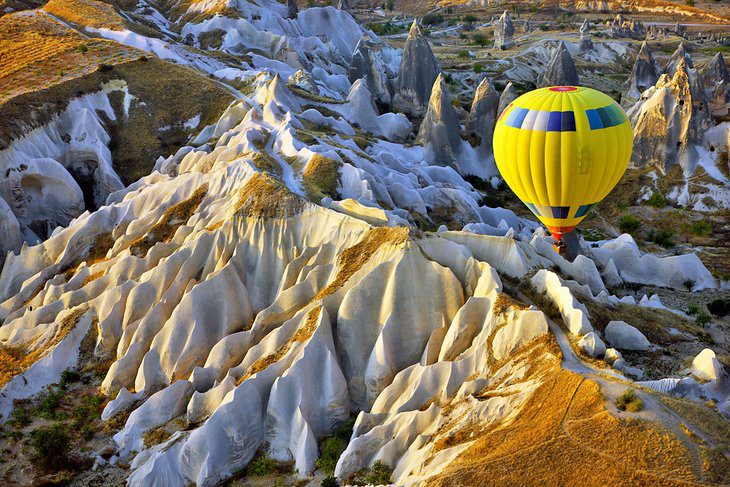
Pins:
x: 703, y: 319
x: 478, y: 68
x: 432, y: 19
x: 262, y: 465
x: 50, y: 401
x: 379, y: 474
x: 657, y: 200
x: 629, y: 401
x: 719, y: 307
x: 21, y: 417
x: 544, y: 27
x: 689, y: 284
x: 702, y: 228
x: 50, y: 447
x: 469, y: 18
x: 329, y: 482
x: 82, y: 48
x: 464, y: 55
x: 68, y: 376
x: 330, y: 452
x: 480, y: 40
x: 628, y: 224
x: 662, y: 238
x: 693, y: 309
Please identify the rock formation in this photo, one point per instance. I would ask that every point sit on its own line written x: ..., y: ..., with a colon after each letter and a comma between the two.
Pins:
x: 503, y: 32
x: 678, y: 55
x: 677, y: 109
x: 291, y: 9
x: 644, y: 74
x: 416, y: 75
x: 481, y: 119
x: 717, y: 87
x: 585, y: 44
x: 304, y: 80
x: 368, y: 66
x: 509, y: 94
x: 440, y: 132
x: 620, y: 27
x: 561, y: 70
x: 343, y: 5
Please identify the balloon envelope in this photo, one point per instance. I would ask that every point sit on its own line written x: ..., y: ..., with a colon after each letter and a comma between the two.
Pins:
x: 561, y: 150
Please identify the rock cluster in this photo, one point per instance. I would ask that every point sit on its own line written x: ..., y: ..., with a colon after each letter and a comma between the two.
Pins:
x: 621, y: 27
x: 561, y: 70
x: 717, y: 87
x: 503, y: 32
x: 644, y: 74
x: 416, y: 75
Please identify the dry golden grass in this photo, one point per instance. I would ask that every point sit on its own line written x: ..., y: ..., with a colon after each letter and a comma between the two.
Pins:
x: 353, y: 258
x: 37, y: 51
x: 171, y: 220
x: 707, y: 419
x: 504, y: 302
x: 15, y: 360
x: 86, y: 13
x: 321, y: 177
x: 265, y: 197
x: 565, y: 436
x: 301, y: 335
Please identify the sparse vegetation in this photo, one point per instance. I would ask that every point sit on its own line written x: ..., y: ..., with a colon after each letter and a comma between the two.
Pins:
x: 628, y: 224
x: 321, y: 177
x: 663, y: 238
x: 689, y: 284
x: 629, y: 401
x: 329, y: 482
x: 330, y: 451
x: 262, y: 465
x: 693, y: 309
x: 703, y: 319
x: 480, y: 40
x: 657, y: 200
x: 701, y: 228
x: 380, y: 473
x: 50, y: 447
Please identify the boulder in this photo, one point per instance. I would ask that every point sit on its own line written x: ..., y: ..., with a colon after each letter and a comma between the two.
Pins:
x: 482, y: 117
x: 560, y: 71
x: 592, y: 345
x: 644, y: 74
x: 304, y: 80
x: 503, y: 32
x: 706, y: 366
x: 416, y: 75
x: 621, y: 335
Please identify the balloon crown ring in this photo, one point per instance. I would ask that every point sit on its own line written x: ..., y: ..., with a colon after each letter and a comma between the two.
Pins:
x: 564, y: 88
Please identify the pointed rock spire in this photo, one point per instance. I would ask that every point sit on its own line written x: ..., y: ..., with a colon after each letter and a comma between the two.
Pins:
x: 509, y: 94
x: 586, y: 43
x: 679, y: 54
x: 644, y: 74
x: 344, y: 5
x: 717, y: 71
x: 482, y: 117
x: 365, y: 65
x: 440, y: 131
x: 416, y: 75
x: 291, y: 9
x: 503, y: 32
x: 560, y: 70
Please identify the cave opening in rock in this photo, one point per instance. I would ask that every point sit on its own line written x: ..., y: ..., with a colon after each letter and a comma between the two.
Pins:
x: 85, y: 173
x: 33, y: 192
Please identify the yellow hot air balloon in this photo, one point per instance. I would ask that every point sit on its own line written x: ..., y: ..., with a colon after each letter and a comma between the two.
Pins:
x: 561, y: 150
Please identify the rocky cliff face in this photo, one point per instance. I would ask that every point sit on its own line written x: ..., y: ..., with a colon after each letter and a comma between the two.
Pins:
x: 678, y: 56
x: 644, y: 74
x: 417, y: 73
x: 509, y: 94
x: 560, y: 70
x: 585, y: 44
x: 367, y: 65
x: 503, y: 32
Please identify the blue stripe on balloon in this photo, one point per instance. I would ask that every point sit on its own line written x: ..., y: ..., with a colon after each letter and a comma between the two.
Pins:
x: 541, y: 120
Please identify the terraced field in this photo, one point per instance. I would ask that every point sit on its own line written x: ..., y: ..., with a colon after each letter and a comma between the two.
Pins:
x: 87, y: 13
x: 37, y: 51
